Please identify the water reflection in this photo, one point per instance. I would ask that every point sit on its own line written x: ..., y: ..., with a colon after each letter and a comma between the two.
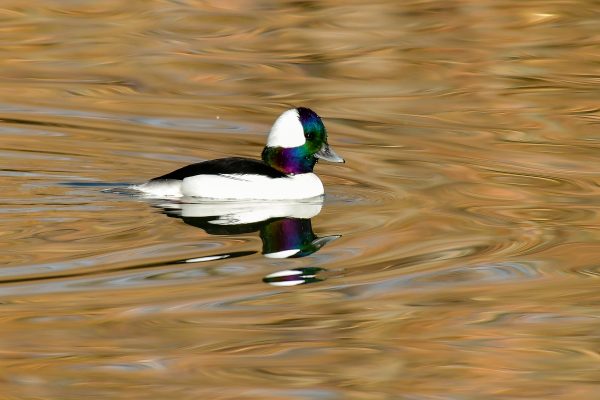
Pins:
x: 285, y: 229
x: 293, y: 277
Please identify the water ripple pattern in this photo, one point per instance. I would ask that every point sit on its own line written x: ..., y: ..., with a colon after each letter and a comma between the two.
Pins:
x: 455, y: 255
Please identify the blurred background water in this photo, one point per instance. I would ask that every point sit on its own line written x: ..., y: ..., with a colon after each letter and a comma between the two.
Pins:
x: 462, y: 258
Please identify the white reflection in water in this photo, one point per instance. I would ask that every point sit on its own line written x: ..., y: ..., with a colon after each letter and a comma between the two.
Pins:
x: 284, y: 227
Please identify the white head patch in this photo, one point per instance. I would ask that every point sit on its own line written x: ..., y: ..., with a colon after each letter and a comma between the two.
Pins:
x: 287, y: 131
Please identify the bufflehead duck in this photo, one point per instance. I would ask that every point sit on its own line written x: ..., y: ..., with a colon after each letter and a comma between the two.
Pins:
x: 296, y: 142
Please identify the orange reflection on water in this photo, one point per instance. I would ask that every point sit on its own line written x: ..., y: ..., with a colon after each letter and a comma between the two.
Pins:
x: 467, y: 208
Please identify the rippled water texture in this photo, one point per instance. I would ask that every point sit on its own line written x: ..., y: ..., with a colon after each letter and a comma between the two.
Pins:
x: 456, y: 255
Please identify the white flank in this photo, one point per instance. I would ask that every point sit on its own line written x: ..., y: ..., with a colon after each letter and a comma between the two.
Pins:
x: 237, y: 187
x: 287, y: 131
x: 252, y: 187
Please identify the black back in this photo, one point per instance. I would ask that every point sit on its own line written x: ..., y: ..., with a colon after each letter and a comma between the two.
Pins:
x: 231, y: 165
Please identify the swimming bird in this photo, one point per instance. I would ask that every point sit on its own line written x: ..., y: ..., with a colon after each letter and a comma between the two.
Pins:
x: 297, y: 140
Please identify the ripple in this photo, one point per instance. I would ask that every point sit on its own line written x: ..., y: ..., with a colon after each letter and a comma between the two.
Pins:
x: 81, y: 266
x: 85, y: 117
x: 467, y: 211
x: 542, y: 182
x: 533, y: 214
x: 476, y: 274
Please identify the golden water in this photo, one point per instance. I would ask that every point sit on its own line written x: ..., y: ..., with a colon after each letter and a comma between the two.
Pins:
x: 468, y: 207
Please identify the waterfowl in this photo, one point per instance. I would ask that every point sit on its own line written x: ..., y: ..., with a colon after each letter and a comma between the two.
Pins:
x: 296, y: 142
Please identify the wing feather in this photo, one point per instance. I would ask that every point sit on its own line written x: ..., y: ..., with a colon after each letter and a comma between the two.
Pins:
x: 224, y: 166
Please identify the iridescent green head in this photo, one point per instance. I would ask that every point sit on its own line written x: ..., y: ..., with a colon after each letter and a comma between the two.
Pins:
x: 298, y: 139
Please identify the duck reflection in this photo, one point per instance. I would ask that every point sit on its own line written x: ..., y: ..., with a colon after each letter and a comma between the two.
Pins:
x: 284, y: 227
x: 293, y: 277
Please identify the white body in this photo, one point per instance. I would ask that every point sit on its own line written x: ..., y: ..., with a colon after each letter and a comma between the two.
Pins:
x: 238, y: 187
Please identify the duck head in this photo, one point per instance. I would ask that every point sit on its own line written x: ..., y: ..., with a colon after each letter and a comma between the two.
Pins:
x: 298, y: 139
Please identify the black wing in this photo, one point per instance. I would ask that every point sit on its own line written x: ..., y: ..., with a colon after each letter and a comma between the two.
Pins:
x: 232, y: 165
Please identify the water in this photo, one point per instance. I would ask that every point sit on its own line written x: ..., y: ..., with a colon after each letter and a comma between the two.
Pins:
x: 454, y: 257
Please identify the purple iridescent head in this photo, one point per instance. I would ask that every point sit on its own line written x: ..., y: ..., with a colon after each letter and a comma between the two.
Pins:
x: 297, y: 140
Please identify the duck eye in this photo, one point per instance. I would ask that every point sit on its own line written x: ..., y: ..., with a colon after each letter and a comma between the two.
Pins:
x: 309, y: 135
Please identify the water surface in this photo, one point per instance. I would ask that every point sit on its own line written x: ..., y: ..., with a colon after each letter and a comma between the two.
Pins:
x: 461, y: 259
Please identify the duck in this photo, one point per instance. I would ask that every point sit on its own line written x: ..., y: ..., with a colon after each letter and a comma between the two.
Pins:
x: 295, y: 143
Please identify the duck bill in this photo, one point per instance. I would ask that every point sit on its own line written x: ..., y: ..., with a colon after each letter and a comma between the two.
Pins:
x: 326, y: 153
